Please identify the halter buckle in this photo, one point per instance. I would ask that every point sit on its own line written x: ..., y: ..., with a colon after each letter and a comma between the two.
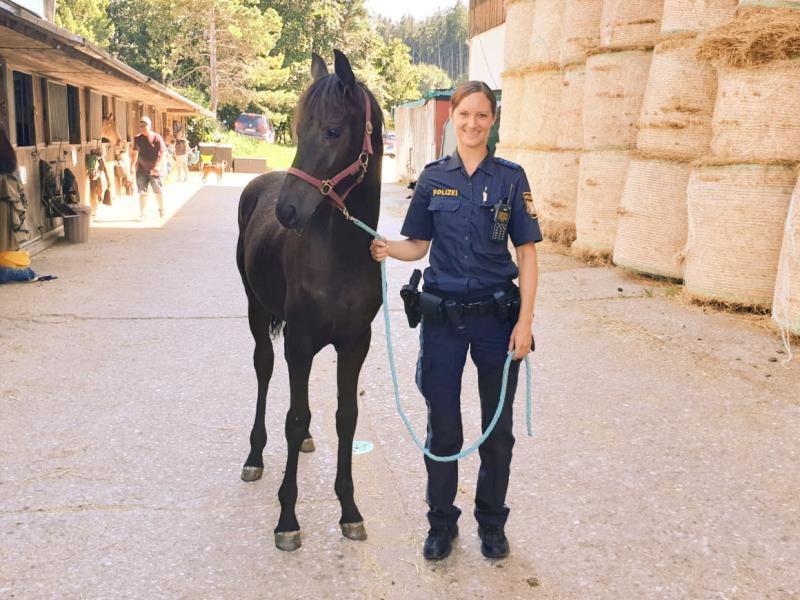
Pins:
x: 369, y: 127
x: 325, y: 187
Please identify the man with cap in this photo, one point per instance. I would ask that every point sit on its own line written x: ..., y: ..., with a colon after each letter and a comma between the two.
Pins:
x: 148, y: 155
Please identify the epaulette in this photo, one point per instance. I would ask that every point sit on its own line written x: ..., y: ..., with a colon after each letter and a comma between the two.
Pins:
x: 508, y: 163
x: 444, y: 159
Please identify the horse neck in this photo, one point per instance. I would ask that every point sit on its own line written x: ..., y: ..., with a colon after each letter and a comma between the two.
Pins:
x: 363, y: 203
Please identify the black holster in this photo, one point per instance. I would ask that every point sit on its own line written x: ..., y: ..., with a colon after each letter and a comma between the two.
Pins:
x: 410, y: 295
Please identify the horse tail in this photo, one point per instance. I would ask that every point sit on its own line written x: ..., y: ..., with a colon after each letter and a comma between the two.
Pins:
x: 276, y: 327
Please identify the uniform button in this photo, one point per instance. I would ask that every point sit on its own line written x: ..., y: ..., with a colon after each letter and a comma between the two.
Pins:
x: 466, y: 238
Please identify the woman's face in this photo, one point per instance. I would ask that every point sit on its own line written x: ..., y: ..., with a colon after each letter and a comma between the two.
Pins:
x: 472, y: 120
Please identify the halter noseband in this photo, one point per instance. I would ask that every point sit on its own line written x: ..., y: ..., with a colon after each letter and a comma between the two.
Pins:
x: 327, y: 187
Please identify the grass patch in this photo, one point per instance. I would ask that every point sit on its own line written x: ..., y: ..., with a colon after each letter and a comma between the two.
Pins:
x: 278, y: 156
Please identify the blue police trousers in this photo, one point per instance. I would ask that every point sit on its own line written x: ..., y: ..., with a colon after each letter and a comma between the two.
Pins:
x: 443, y: 354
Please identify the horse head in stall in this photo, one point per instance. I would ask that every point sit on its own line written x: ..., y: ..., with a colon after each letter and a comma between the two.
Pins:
x: 109, y: 131
x: 308, y: 273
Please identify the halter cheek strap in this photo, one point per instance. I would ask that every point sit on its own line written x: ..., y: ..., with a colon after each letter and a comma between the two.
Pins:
x: 327, y: 187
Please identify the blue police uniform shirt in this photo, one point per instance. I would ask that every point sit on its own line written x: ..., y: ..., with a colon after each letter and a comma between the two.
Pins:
x: 456, y: 212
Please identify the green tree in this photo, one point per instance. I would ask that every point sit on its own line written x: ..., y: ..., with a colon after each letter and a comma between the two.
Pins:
x: 431, y: 78
x: 87, y: 18
x: 401, y: 79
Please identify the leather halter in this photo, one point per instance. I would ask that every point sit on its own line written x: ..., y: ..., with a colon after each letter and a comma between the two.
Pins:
x: 327, y: 187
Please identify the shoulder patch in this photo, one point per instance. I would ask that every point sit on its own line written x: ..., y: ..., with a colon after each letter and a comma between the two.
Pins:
x: 444, y: 159
x: 508, y: 163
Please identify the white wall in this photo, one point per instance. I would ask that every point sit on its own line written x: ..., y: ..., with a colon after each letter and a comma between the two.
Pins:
x: 486, y: 56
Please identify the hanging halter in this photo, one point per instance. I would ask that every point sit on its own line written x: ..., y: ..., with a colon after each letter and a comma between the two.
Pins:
x: 327, y: 187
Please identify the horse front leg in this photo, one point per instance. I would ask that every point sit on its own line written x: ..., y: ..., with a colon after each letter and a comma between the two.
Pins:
x: 299, y: 357
x: 263, y: 361
x: 350, y: 358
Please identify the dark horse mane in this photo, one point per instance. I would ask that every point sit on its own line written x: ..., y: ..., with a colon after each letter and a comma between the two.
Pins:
x: 329, y: 96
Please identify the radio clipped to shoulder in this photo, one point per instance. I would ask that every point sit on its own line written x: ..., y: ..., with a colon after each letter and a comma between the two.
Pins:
x: 502, y: 215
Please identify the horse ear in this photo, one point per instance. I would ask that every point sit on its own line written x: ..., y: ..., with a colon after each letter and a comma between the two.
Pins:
x: 318, y: 68
x: 343, y: 68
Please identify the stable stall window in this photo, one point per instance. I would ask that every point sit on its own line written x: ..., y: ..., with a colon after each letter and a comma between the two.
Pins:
x: 23, y: 109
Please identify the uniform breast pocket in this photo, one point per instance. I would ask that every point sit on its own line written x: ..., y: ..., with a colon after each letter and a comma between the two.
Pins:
x: 444, y: 204
x: 490, y: 246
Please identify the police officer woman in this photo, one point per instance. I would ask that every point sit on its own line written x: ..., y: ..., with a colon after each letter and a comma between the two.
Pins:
x: 465, y: 207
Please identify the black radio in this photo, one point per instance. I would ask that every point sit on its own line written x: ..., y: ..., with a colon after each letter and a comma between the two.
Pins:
x: 502, y: 215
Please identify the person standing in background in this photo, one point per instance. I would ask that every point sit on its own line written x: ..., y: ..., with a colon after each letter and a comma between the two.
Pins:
x: 147, y: 160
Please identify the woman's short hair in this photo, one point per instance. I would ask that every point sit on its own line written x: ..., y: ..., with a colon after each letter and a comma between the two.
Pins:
x: 473, y: 87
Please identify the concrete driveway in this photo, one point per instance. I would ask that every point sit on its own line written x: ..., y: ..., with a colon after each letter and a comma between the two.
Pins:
x: 665, y: 462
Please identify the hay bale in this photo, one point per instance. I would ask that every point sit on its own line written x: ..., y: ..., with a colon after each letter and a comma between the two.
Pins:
x: 786, y: 305
x: 601, y: 180
x: 519, y: 23
x: 695, y: 15
x: 678, y: 104
x: 756, y: 36
x: 630, y: 22
x: 533, y: 161
x: 538, y: 118
x: 570, y: 109
x: 756, y: 113
x: 652, y: 228
x: 580, y: 30
x: 770, y: 3
x: 559, y: 196
x: 615, y: 85
x: 513, y: 97
x: 736, y: 221
x: 544, y: 46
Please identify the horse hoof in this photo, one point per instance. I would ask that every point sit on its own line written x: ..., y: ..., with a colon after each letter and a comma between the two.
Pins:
x: 354, y: 531
x: 252, y: 473
x: 307, y: 445
x: 287, y: 540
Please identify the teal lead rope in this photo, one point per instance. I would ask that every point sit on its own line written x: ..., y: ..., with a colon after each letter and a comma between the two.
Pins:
x: 390, y: 351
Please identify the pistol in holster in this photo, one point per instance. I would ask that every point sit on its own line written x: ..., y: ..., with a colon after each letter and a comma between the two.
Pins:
x: 410, y: 295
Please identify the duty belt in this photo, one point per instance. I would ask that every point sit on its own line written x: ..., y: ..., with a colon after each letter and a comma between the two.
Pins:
x: 503, y: 304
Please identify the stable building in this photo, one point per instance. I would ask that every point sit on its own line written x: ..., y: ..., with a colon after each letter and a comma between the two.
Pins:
x: 63, y: 99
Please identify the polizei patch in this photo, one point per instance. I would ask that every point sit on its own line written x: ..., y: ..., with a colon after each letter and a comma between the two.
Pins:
x: 441, y: 192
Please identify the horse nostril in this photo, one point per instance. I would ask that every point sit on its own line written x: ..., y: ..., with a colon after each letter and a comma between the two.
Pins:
x: 287, y: 215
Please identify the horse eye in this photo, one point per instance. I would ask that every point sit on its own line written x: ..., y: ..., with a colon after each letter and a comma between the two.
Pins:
x: 333, y: 132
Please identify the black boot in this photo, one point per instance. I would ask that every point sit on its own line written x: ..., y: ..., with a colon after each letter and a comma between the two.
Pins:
x: 493, y: 541
x: 439, y: 542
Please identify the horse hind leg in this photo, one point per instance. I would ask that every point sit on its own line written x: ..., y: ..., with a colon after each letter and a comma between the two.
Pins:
x: 350, y: 359
x: 263, y: 361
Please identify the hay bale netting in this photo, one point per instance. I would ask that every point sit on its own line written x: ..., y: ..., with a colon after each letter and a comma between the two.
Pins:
x: 679, y: 102
x: 513, y: 98
x: 519, y: 23
x: 533, y: 161
x: 786, y: 305
x: 695, y: 15
x: 630, y: 22
x: 570, y: 109
x: 545, y: 44
x: 559, y: 196
x: 538, y: 118
x: 580, y: 30
x: 794, y: 4
x: 601, y: 180
x: 615, y: 85
x: 756, y: 113
x: 652, y: 228
x: 736, y: 221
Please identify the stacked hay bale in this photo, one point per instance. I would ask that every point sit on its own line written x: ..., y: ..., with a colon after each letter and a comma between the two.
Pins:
x: 519, y: 22
x: 556, y: 157
x: 738, y: 198
x: 539, y: 126
x: 616, y: 75
x: 674, y: 129
x: 786, y: 305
